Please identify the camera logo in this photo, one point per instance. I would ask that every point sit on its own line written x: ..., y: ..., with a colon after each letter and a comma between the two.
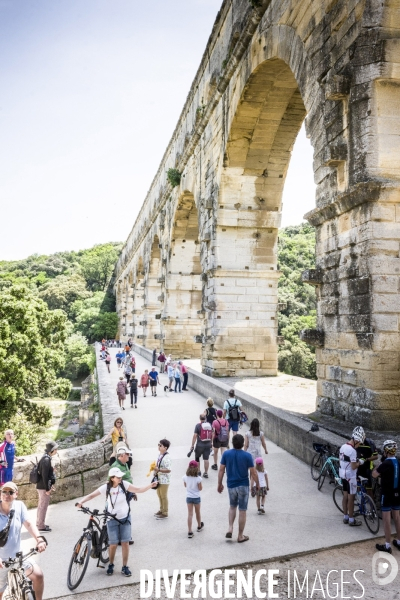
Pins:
x: 384, y: 568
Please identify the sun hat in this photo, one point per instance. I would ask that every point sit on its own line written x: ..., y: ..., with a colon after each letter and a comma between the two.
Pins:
x: 10, y: 485
x: 51, y: 446
x: 115, y: 472
x: 123, y: 450
x: 259, y: 461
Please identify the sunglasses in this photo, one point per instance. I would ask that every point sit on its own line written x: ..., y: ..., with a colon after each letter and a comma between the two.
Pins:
x: 9, y: 492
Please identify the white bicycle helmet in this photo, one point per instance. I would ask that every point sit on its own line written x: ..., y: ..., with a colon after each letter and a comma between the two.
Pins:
x: 390, y: 446
x: 358, y: 434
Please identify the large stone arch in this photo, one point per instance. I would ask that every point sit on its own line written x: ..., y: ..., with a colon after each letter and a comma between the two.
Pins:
x: 182, y: 287
x: 152, y: 293
x: 265, y: 66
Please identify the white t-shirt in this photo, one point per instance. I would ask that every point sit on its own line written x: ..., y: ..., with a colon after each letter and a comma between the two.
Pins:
x: 192, y: 488
x: 346, y: 471
x: 261, y: 478
x: 116, y: 501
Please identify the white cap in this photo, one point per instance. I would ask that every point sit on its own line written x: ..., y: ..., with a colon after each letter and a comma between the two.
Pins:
x: 115, y: 472
x: 123, y: 450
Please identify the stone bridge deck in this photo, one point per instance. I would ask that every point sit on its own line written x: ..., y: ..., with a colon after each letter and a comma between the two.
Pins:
x: 298, y: 517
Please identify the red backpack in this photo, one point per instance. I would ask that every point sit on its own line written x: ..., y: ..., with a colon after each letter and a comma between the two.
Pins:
x: 205, y: 432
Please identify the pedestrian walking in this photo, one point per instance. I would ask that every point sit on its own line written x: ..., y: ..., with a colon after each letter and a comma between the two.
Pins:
x: 130, y: 343
x: 178, y: 377
x: 210, y: 412
x: 263, y: 485
x: 133, y: 364
x: 220, y: 436
x: 193, y: 484
x: 185, y: 375
x: 389, y: 472
x: 154, y: 358
x: 169, y: 360
x: 238, y: 464
x: 133, y: 390
x: 144, y: 382
x: 128, y: 372
x: 254, y: 439
x: 202, y: 443
x: 108, y: 361
x: 119, y: 528
x: 45, y: 485
x: 119, y: 357
x: 154, y: 381
x: 162, y: 472
x: 162, y: 359
x: 122, y: 390
x: 232, y: 411
x: 171, y: 375
x: 117, y: 434
x: 8, y: 457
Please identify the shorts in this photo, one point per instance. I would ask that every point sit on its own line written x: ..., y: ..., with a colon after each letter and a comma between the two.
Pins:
x: 119, y: 361
x: 349, y: 486
x: 27, y: 564
x: 193, y: 500
x: 234, y: 425
x: 239, y: 496
x: 390, y: 502
x: 218, y: 444
x: 262, y: 491
x: 119, y: 532
x: 203, y: 451
x: 153, y: 383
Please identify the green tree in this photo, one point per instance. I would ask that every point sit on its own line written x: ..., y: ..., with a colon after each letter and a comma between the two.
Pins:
x: 31, y: 351
x: 79, y: 356
x: 106, y: 326
x: 98, y: 264
x: 62, y: 291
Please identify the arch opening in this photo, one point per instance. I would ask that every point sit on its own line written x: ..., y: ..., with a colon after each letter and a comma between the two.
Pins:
x: 152, y: 301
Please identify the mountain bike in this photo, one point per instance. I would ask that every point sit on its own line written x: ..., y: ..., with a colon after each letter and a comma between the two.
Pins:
x: 92, y: 543
x: 19, y: 586
x: 363, y: 504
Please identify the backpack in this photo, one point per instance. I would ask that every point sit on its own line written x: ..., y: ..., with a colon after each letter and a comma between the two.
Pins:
x: 234, y: 413
x: 205, y: 432
x: 223, y: 435
x: 34, y: 475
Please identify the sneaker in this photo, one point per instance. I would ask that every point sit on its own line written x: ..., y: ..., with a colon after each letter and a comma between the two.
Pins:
x: 135, y: 406
x: 157, y: 514
x: 110, y: 570
x: 201, y: 527
x: 126, y: 571
x: 259, y: 511
x: 383, y: 548
x: 161, y: 517
x: 205, y: 475
x: 355, y: 523
x: 346, y: 521
x: 190, y: 534
x: 262, y: 510
x: 396, y: 544
x: 214, y: 467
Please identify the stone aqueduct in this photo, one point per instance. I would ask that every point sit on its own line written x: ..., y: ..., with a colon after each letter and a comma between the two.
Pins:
x: 199, y: 269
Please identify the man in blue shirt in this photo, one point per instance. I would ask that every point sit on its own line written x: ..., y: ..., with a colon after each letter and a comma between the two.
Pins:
x: 154, y: 381
x: 238, y: 465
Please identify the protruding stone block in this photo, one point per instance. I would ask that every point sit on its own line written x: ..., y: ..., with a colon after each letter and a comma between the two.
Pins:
x: 313, y: 337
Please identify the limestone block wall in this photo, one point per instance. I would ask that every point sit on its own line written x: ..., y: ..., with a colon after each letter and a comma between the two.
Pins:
x: 266, y: 69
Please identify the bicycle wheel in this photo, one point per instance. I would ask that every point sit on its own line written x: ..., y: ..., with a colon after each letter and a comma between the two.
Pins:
x: 29, y: 594
x: 316, y: 464
x: 338, y: 497
x: 104, y: 557
x: 370, y: 515
x: 321, y: 478
x: 79, y: 561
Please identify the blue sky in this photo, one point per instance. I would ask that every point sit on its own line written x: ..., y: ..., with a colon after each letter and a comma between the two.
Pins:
x: 90, y: 93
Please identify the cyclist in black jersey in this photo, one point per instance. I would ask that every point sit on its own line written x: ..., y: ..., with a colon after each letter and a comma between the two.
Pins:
x: 367, y: 450
x: 389, y: 471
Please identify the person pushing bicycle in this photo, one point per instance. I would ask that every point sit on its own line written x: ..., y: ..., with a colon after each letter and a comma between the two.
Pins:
x: 117, y: 503
x: 14, y: 515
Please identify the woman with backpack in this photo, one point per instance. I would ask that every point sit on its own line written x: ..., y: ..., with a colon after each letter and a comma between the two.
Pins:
x: 119, y: 528
x: 220, y: 436
x: 122, y: 390
x: 210, y: 412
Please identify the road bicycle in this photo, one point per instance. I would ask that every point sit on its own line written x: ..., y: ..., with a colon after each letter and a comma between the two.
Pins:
x: 92, y: 543
x: 325, y: 462
x: 322, y: 451
x: 363, y: 504
x: 19, y: 586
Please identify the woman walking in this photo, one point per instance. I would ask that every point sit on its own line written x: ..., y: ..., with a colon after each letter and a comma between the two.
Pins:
x: 144, y: 382
x: 133, y: 389
x: 220, y: 436
x: 119, y: 528
x: 210, y: 412
x: 193, y: 484
x: 122, y: 390
x: 254, y: 439
x: 128, y: 372
x: 178, y: 377
x: 117, y: 434
x: 108, y: 361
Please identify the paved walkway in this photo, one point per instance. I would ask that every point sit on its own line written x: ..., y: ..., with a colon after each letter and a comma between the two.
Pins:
x: 298, y: 517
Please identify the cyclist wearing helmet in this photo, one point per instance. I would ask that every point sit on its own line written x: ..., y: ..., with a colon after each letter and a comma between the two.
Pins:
x: 349, y: 464
x: 367, y: 450
x: 389, y: 471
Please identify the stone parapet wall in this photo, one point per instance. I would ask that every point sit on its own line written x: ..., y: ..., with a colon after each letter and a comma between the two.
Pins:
x: 78, y: 470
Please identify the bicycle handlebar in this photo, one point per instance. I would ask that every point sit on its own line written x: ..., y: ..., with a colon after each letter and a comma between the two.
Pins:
x: 19, y: 558
x: 95, y: 512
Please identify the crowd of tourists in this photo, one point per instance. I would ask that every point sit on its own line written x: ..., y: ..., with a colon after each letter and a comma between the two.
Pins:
x: 238, y: 458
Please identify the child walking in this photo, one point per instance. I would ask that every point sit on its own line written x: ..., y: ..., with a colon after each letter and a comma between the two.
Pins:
x: 193, y: 484
x: 263, y: 485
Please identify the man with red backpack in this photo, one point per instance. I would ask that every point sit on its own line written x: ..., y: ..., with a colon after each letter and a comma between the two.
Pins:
x: 202, y: 437
x: 220, y: 436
